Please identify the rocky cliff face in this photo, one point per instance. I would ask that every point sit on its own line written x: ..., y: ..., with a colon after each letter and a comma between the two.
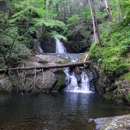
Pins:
x: 112, y: 87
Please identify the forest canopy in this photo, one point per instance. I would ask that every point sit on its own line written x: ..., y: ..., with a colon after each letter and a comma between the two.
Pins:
x: 23, y: 20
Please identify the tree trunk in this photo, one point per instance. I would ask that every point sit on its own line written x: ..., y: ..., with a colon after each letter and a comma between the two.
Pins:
x: 49, y: 6
x: 64, y: 4
x: 92, y: 15
x: 57, y: 10
x: 96, y: 25
x: 108, y: 11
x: 48, y: 67
x: 120, y: 17
x: 44, y: 4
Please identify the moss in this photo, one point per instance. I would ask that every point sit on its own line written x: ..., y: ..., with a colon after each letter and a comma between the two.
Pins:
x: 114, y: 95
x: 125, y: 76
x: 61, y: 81
x: 95, y: 51
x: 108, y: 95
x: 113, y: 60
x: 2, y: 89
x: 128, y: 97
x: 14, y: 87
x: 109, y: 56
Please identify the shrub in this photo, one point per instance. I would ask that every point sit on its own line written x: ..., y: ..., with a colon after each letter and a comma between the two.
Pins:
x: 20, y: 52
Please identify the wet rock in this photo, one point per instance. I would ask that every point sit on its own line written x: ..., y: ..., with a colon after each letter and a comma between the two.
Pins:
x: 113, y: 123
x: 117, y: 123
x: 48, y: 59
x: 110, y: 86
x: 5, y: 84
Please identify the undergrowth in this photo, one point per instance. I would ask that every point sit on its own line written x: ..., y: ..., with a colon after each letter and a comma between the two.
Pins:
x: 114, y: 51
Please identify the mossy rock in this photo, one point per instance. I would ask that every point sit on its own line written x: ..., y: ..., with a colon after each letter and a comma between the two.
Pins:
x: 108, y: 95
x: 61, y: 81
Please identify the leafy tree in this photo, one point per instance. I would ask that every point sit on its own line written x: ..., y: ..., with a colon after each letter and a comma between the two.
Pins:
x: 120, y: 10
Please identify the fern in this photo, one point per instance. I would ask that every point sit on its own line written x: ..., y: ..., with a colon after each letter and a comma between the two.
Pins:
x: 59, y: 36
x: 49, y: 23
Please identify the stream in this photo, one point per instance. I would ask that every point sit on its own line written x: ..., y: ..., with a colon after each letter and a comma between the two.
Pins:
x: 55, y: 111
x: 71, y: 109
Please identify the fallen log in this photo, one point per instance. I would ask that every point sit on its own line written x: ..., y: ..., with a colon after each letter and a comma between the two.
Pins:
x: 48, y: 67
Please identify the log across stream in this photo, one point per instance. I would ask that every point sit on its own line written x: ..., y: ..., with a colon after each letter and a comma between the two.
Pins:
x: 49, y: 67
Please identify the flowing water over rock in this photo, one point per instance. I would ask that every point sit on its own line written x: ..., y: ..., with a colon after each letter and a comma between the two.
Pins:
x: 59, y: 46
x: 74, y: 82
x: 40, y: 50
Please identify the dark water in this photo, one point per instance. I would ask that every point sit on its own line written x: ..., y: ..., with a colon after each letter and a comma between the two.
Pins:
x: 55, y: 111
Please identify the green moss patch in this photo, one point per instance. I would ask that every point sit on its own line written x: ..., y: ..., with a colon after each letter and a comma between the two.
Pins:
x: 125, y: 76
x: 113, y: 61
x: 61, y: 81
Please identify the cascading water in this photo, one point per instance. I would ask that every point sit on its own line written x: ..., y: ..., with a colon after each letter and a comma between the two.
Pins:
x: 59, y: 46
x: 40, y: 45
x: 75, y: 82
x: 40, y: 49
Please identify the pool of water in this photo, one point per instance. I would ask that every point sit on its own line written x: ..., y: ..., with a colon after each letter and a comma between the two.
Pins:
x: 55, y: 111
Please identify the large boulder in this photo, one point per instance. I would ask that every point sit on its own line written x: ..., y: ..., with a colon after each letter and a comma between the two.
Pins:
x: 113, y: 123
x: 35, y: 79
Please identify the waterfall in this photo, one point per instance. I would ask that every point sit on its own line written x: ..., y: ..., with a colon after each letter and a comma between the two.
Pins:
x: 41, y: 45
x: 40, y: 49
x: 59, y: 47
x: 75, y: 82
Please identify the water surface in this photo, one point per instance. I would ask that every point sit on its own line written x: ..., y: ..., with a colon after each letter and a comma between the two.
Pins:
x: 55, y: 111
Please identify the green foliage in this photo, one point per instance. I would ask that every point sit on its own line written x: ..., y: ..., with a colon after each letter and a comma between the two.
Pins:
x: 27, y: 20
x: 95, y: 51
x: 116, y: 46
x: 85, y: 13
x: 4, y: 49
x: 60, y: 82
x: 125, y: 47
x: 74, y: 20
x: 19, y: 52
x: 32, y: 17
x: 120, y: 8
x: 125, y: 76
x: 2, y: 61
x: 128, y: 97
x: 55, y: 34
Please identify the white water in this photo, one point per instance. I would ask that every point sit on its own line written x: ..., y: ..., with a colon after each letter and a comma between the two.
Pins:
x: 71, y: 81
x: 72, y: 84
x: 59, y: 47
x: 40, y: 49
